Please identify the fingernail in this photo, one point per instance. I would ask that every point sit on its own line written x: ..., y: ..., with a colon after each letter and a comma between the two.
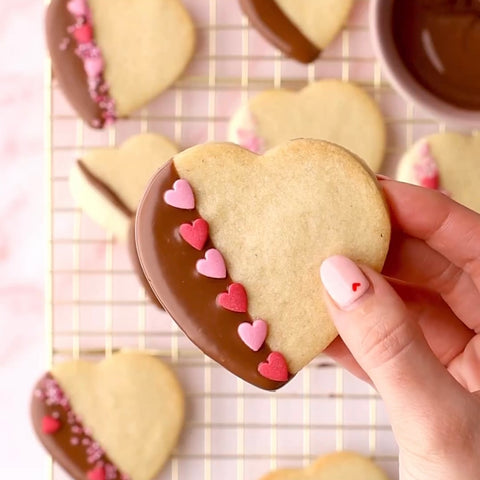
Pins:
x: 382, y: 177
x: 343, y: 280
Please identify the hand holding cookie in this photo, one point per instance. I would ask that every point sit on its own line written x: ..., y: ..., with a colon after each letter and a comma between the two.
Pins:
x: 415, y: 337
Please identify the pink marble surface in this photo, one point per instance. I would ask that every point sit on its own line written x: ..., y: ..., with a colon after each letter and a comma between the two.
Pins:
x: 22, y: 352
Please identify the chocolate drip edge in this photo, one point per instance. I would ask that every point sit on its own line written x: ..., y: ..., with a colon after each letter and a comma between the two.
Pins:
x: 190, y: 298
x: 104, y: 189
x: 270, y: 20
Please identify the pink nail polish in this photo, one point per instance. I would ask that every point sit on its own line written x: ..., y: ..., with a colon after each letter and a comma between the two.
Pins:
x: 343, y: 280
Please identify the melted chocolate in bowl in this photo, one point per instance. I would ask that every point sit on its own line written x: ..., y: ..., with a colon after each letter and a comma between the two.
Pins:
x: 439, y: 43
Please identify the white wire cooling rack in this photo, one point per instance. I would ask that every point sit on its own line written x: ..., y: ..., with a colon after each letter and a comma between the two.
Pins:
x: 95, y: 304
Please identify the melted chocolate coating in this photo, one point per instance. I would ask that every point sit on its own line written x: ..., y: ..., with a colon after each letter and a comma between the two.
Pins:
x: 104, y: 189
x: 270, y: 20
x: 190, y: 298
x: 132, y: 250
x: 439, y: 42
x: 72, y: 457
x: 67, y: 66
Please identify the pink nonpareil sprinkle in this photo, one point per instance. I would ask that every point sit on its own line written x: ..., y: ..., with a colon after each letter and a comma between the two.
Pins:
x: 426, y: 169
x: 248, y: 139
x: 91, y: 55
x: 77, y: 429
x: 64, y: 44
x: 38, y: 394
x: 110, y: 472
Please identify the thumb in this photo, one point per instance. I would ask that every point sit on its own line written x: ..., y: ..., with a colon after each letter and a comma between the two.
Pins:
x: 386, y: 341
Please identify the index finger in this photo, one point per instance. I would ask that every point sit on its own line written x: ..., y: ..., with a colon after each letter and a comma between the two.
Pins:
x: 448, y: 227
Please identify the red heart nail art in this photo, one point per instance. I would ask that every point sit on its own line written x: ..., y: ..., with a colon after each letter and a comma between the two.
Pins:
x: 235, y: 300
x: 195, y: 234
x: 275, y: 368
x: 355, y: 286
x: 50, y: 425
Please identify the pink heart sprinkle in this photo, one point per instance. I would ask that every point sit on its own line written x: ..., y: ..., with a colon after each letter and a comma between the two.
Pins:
x: 78, y: 7
x: 212, y: 265
x: 93, y: 66
x: 253, y: 335
x: 96, y: 474
x: 181, y: 196
x: 275, y: 368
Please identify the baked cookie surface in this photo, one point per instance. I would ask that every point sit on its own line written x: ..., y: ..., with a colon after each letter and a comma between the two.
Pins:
x: 331, y: 110
x: 115, y: 420
x: 335, y: 466
x: 108, y: 183
x: 448, y: 162
x: 232, y: 243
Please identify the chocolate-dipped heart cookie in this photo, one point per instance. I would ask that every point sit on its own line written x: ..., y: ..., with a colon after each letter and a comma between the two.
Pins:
x: 232, y: 243
x: 448, y: 162
x: 108, y: 183
x: 299, y: 28
x: 116, y: 420
x: 111, y: 58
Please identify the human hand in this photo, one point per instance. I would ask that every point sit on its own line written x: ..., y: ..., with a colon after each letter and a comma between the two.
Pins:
x: 414, y: 333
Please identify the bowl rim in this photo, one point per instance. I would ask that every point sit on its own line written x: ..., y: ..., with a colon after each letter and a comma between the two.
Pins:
x: 400, y: 77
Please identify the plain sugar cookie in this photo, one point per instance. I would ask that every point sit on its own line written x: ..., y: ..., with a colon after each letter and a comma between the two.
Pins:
x: 108, y: 183
x: 331, y: 110
x: 448, y: 162
x: 112, y: 57
x: 301, y: 29
x: 335, y: 466
x: 116, y: 420
x: 232, y: 244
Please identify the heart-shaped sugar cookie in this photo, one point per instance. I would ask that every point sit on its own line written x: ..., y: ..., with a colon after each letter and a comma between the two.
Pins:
x: 115, y: 420
x: 108, y: 183
x: 339, y: 112
x: 336, y: 466
x: 447, y: 162
x: 111, y: 58
x: 272, y: 220
x: 299, y: 28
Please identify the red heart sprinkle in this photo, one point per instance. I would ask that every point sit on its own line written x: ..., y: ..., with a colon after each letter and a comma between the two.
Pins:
x: 96, y: 474
x: 235, y: 300
x: 355, y: 286
x: 83, y: 34
x: 275, y: 368
x: 50, y: 425
x: 195, y: 234
x: 432, y: 182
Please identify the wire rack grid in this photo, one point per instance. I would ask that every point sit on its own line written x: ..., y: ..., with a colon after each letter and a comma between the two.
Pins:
x: 95, y: 305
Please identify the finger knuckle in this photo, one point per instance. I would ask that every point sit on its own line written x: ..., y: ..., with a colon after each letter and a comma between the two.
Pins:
x: 387, y: 340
